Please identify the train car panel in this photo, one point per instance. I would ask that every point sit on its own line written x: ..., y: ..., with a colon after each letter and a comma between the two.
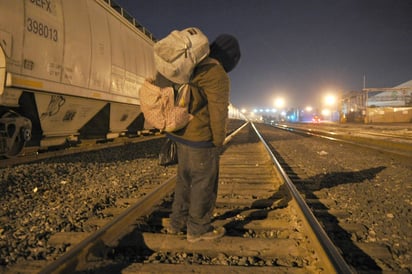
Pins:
x: 129, y: 48
x: 43, y: 40
x: 77, y: 46
x: 132, y: 81
x: 143, y: 63
x: 11, y: 34
x: 63, y: 115
x: 121, y: 116
x: 149, y: 61
x: 117, y: 33
x: 9, y: 97
x: 2, y: 73
x: 101, y: 48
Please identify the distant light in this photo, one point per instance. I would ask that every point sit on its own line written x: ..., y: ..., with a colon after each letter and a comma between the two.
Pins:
x: 325, y: 112
x: 279, y: 102
x: 330, y: 100
x: 309, y: 108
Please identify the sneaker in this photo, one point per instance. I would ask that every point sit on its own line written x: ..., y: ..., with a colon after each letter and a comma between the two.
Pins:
x: 173, y: 231
x: 211, y: 235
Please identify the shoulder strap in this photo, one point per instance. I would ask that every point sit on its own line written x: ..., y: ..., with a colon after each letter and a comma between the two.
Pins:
x: 208, y: 61
x: 183, y: 95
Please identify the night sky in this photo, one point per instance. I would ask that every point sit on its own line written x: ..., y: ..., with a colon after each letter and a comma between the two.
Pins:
x: 300, y: 50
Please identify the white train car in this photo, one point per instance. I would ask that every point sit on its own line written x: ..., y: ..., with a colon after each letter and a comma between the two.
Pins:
x: 69, y: 68
x: 235, y: 113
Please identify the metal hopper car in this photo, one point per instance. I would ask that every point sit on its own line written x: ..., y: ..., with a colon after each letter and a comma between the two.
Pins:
x: 69, y: 68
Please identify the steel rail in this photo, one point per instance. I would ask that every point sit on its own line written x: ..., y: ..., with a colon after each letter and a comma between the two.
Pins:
x: 109, y: 234
x: 92, y: 145
x: 403, y: 149
x: 338, y: 263
x: 230, y: 136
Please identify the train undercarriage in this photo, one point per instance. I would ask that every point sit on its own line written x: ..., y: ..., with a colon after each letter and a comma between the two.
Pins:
x: 15, y: 131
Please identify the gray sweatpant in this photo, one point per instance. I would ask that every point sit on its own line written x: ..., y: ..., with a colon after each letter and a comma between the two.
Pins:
x: 196, y: 189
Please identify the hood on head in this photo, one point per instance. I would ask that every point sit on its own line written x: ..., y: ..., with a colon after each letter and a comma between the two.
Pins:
x: 225, y: 48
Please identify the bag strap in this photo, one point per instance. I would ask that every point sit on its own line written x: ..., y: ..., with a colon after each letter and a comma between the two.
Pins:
x: 208, y: 61
x: 183, y: 96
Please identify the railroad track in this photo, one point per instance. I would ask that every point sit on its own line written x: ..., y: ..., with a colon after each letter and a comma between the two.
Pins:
x: 385, y: 141
x: 32, y: 154
x: 267, y: 229
x: 356, y: 238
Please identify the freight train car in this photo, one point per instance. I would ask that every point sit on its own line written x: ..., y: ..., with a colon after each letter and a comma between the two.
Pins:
x: 69, y: 68
x: 235, y: 114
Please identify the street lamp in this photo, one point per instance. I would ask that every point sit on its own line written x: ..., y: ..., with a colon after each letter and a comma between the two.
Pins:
x: 330, y: 102
x: 279, y: 103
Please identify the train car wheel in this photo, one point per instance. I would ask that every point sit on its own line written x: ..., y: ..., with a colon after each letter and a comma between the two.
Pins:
x: 18, y: 134
x: 17, y: 146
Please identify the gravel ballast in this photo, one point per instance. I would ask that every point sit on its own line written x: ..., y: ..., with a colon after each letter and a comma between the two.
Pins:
x: 372, y: 187
x: 60, y: 195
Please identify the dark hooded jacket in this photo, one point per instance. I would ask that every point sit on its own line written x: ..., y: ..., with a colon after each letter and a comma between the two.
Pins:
x: 209, y: 106
x: 210, y: 95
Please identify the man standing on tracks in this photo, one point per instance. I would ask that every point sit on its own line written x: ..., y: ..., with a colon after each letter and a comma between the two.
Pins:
x: 199, y: 143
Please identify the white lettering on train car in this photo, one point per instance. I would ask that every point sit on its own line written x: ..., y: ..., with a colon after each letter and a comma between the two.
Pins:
x: 41, y: 29
x: 44, y: 4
